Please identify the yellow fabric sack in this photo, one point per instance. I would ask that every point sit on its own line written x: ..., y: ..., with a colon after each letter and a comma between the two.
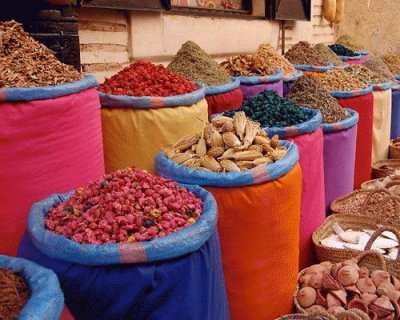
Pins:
x: 381, y: 124
x: 133, y: 137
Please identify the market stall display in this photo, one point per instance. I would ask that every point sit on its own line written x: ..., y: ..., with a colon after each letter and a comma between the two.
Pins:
x: 46, y: 122
x: 384, y: 168
x: 255, y: 74
x: 136, y: 128
x: 28, y: 291
x: 278, y: 116
x: 268, y: 249
x: 382, y: 103
x: 356, y: 95
x: 166, y: 232
x: 194, y: 64
x: 362, y: 283
x: 271, y: 57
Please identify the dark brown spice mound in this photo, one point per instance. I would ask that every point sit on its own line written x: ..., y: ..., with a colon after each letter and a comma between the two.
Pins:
x: 303, y: 53
x: 14, y: 293
x: 309, y: 93
x: 24, y: 62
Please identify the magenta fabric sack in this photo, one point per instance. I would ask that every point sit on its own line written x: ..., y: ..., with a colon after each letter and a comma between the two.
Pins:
x: 339, y: 157
x: 253, y: 85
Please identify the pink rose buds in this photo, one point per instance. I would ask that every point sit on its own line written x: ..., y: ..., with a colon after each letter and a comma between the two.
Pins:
x: 125, y: 206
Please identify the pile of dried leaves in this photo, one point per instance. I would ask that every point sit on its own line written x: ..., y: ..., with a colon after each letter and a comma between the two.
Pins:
x: 247, y: 65
x: 24, y: 62
x: 303, y: 53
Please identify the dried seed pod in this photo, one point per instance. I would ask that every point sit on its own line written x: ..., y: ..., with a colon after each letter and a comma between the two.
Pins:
x: 201, y: 148
x: 320, y: 299
x: 396, y: 283
x: 261, y: 133
x: 215, y: 152
x: 231, y: 140
x: 368, y: 298
x: 278, y: 154
x: 210, y: 163
x: 275, y: 141
x: 192, y: 163
x: 203, y: 169
x: 170, y: 153
x: 256, y: 147
x: 247, y: 155
x: 348, y: 276
x: 228, y: 126
x: 182, y: 157
x: 219, y: 121
x: 216, y: 139
x: 366, y: 285
x: 380, y: 277
x: 328, y: 282
x: 185, y: 142
x: 261, y: 140
x: 263, y: 160
x: 306, y: 297
x: 358, y: 304
x: 250, y: 132
x: 228, y: 154
x: 239, y: 122
x: 386, y: 289
x: 229, y: 166
x: 245, y: 165
x: 189, y: 151
x: 382, y: 307
x: 332, y: 301
x: 207, y: 131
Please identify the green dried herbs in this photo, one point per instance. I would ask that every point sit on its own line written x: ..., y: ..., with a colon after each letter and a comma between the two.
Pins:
x: 194, y: 64
x: 307, y: 92
x: 271, y: 110
x: 24, y: 62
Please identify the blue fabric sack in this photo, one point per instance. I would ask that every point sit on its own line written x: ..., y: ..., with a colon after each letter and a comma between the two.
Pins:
x: 47, y: 300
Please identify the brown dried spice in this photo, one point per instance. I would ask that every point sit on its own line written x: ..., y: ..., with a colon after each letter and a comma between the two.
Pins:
x: 328, y: 54
x: 365, y: 75
x: 376, y: 64
x: 246, y: 65
x: 393, y: 62
x: 24, y: 62
x: 307, y: 92
x: 303, y: 53
x: 340, y: 80
x: 274, y: 60
x: 350, y: 43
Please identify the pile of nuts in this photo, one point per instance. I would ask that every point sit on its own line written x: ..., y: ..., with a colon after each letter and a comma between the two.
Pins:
x: 227, y: 145
x: 365, y: 74
x: 142, y: 78
x: 274, y: 60
x: 247, y: 65
x: 24, y: 62
x: 125, y: 206
x: 393, y: 62
x: 340, y: 80
x: 14, y: 294
x: 345, y: 285
x: 304, y: 53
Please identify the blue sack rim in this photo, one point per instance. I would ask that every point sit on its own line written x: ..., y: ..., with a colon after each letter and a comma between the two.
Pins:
x: 396, y: 76
x: 309, y: 67
x: 211, y: 90
x: 293, y: 77
x: 47, y: 298
x: 363, y: 52
x: 348, y: 94
x: 342, y: 66
x: 146, y: 102
x: 345, y: 58
x: 382, y: 86
x: 342, y: 125
x: 171, y: 246
x: 251, y: 80
x: 395, y: 87
x: 298, y: 129
x: 260, y: 174
x: 49, y: 92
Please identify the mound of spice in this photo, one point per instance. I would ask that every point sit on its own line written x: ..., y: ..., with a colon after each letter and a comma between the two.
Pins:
x: 227, y: 145
x: 24, y: 62
x: 125, y: 206
x: 341, y: 50
x: 327, y: 54
x: 142, y: 78
x: 376, y: 64
x: 340, y: 80
x: 364, y: 74
x: 271, y: 110
x: 14, y: 293
x: 194, y: 64
x: 304, y: 53
x: 307, y: 92
x: 393, y: 62
x: 350, y: 43
x: 274, y: 60
x: 247, y: 65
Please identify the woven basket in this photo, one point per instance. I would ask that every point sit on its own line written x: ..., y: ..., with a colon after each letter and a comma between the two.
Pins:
x: 384, y: 168
x: 346, y: 221
x: 369, y: 184
x: 372, y: 260
x: 353, y: 202
x: 349, y: 314
x: 394, y: 148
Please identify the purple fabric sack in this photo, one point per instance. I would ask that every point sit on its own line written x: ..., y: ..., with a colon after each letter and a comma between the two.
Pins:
x: 395, y: 129
x: 339, y: 157
x: 251, y: 90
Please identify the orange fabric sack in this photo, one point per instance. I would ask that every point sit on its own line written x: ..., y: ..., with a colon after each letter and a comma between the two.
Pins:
x: 259, y: 227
